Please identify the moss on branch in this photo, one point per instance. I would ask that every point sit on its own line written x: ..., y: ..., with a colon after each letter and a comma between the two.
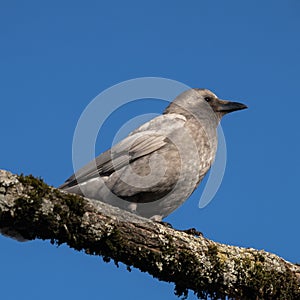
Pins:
x: 31, y: 209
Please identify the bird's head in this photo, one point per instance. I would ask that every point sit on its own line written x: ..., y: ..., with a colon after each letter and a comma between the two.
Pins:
x: 202, y: 103
x: 221, y: 107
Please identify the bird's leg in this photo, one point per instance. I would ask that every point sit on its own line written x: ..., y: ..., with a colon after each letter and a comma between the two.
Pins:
x: 132, y: 207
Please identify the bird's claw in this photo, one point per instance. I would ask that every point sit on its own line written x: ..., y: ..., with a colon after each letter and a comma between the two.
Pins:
x: 193, y: 231
x: 167, y: 224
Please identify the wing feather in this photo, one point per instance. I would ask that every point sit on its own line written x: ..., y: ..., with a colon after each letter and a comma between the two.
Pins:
x: 145, y: 140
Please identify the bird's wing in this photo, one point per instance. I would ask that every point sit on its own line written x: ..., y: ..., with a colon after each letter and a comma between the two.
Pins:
x: 145, y: 140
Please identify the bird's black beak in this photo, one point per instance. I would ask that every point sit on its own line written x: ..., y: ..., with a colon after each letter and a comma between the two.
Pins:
x: 225, y: 106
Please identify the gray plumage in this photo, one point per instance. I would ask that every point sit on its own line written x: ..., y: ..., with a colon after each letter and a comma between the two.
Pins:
x: 156, y: 168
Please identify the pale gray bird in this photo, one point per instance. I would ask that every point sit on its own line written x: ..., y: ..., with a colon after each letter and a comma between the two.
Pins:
x: 157, y: 166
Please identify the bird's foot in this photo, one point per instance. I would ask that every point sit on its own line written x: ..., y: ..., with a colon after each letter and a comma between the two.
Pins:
x: 167, y: 224
x: 192, y: 231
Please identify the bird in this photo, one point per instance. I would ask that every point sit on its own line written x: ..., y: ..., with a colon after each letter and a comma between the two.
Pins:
x: 155, y: 169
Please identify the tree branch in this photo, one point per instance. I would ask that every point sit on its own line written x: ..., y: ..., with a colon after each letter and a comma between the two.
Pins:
x: 31, y: 209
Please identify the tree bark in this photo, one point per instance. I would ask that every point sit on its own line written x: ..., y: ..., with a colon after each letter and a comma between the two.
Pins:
x: 31, y: 209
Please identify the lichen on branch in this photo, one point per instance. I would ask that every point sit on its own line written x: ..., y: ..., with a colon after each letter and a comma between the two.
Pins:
x: 31, y: 209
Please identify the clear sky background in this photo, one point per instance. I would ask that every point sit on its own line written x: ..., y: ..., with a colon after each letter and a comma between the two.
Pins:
x: 56, y: 56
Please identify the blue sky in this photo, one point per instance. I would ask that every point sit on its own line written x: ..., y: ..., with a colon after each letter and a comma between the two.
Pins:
x: 55, y: 57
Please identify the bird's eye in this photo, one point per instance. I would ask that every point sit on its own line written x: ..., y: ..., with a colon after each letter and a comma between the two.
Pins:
x: 207, y: 99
